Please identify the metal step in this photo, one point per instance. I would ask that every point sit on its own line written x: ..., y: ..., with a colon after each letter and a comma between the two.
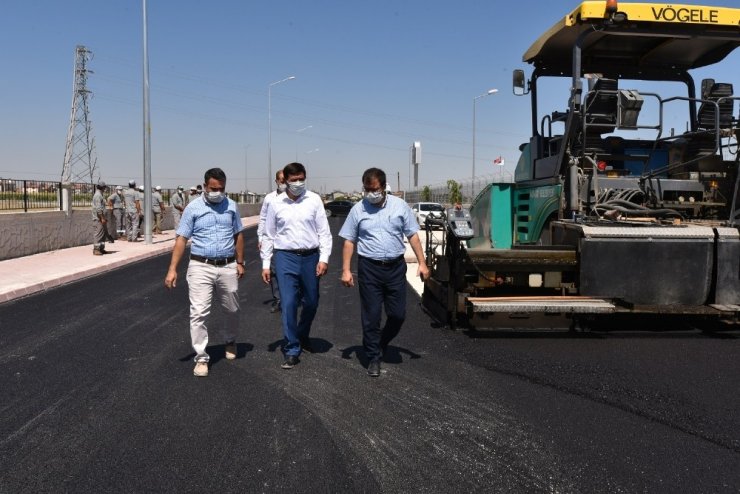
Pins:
x: 546, y: 305
x: 527, y: 257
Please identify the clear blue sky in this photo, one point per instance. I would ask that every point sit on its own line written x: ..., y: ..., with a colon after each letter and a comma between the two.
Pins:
x: 371, y: 78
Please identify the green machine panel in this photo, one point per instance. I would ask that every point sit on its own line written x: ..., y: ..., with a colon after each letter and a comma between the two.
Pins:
x: 493, y: 217
x: 533, y: 205
x: 502, y: 217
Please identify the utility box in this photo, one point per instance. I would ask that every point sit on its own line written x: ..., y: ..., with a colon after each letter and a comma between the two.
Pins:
x: 630, y: 104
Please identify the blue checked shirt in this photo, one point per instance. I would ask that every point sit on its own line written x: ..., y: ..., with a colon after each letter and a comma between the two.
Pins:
x: 378, y: 231
x: 211, y: 227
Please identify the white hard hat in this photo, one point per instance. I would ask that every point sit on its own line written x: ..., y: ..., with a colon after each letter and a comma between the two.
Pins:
x: 158, y: 187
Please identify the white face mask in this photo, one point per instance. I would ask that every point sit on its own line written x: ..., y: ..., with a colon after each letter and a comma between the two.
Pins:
x: 374, y: 197
x: 297, y: 188
x: 282, y: 187
x: 215, y: 197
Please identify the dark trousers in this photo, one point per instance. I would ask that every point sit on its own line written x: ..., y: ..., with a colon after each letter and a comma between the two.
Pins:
x: 381, y: 285
x: 299, y: 285
x: 274, y: 284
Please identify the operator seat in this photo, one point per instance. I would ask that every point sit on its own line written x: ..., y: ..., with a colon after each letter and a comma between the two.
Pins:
x: 703, y: 144
x: 706, y: 114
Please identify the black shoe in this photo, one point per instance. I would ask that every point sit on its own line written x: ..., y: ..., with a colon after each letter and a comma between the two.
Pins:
x: 290, y: 362
x: 306, y: 345
x: 373, y: 368
x: 275, y: 308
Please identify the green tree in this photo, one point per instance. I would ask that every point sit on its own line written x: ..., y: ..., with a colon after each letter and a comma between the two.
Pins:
x: 455, y: 194
x: 426, y: 194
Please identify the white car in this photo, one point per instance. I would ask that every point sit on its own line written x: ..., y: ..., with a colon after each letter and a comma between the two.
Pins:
x: 424, y: 209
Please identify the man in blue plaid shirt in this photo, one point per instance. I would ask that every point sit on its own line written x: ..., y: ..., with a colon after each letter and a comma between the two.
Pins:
x: 213, y: 223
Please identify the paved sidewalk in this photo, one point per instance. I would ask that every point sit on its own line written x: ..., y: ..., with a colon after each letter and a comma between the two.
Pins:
x: 31, y: 274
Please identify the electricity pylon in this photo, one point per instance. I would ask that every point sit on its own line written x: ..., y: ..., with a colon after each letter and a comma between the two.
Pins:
x: 80, y: 161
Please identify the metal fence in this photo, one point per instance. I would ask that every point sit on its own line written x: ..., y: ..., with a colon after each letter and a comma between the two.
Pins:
x: 468, y: 188
x: 25, y: 195
x: 41, y: 195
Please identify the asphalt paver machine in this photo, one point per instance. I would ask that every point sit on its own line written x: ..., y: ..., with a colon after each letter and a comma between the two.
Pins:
x: 626, y: 198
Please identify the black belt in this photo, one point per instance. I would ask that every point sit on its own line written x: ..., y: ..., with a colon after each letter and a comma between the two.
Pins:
x: 300, y: 252
x: 384, y: 262
x: 218, y: 261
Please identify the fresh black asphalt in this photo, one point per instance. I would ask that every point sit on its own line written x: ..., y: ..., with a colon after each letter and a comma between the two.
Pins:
x: 98, y: 396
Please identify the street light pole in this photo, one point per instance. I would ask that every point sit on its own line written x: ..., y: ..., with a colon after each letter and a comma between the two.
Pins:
x: 487, y: 93
x: 246, y: 170
x: 147, y: 203
x: 269, y: 129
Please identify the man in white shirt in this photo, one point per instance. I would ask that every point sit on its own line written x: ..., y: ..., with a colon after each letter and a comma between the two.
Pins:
x: 280, y: 187
x: 297, y: 235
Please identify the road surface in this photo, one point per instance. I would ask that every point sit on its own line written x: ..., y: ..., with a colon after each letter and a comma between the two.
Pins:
x: 99, y: 396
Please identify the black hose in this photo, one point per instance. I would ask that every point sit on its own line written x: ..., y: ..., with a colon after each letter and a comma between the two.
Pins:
x: 641, y: 212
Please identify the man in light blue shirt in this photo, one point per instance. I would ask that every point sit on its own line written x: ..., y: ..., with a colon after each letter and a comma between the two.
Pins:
x: 213, y: 223
x: 377, y: 225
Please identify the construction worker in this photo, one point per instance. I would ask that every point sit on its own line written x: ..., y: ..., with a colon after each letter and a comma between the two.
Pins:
x: 157, y: 209
x: 132, y: 206
x: 115, y: 204
x: 177, y: 201
x: 99, y: 220
x: 140, y: 224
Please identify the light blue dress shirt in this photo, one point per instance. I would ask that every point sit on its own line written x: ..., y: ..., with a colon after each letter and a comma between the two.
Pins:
x: 378, y: 231
x: 211, y: 227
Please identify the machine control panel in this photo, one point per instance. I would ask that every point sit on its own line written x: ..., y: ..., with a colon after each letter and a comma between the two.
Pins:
x: 460, y: 223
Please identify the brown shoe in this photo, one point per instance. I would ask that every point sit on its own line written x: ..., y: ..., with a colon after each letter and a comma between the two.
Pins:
x: 230, y: 351
x: 201, y: 369
x: 97, y: 252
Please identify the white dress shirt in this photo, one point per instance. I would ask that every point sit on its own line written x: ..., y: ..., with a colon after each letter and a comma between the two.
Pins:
x: 292, y: 225
x: 263, y: 213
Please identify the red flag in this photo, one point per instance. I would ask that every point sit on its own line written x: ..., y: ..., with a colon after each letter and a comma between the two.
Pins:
x: 499, y: 161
